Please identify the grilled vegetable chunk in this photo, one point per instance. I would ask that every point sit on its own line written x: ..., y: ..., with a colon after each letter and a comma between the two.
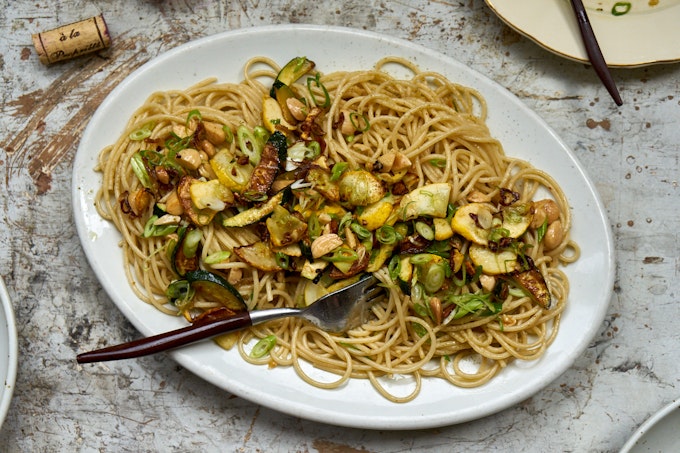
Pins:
x: 532, y: 281
x: 266, y: 170
x: 431, y: 200
x: 284, y: 228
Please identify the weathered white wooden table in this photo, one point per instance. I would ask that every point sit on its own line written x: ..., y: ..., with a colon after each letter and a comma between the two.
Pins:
x: 629, y: 370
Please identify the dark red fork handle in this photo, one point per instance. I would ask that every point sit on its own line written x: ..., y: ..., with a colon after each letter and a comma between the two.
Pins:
x: 168, y: 340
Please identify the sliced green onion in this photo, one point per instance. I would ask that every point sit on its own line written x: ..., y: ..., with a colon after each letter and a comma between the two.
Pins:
x: 496, y: 234
x: 194, y: 114
x: 263, y: 346
x: 142, y: 133
x: 217, y: 257
x: 421, y: 258
x: 540, y: 231
x: 361, y: 232
x: 139, y: 168
x: 317, y: 81
x: 419, y: 329
x: 261, y: 133
x: 342, y: 255
x: 434, y: 278
x: 425, y: 230
x: 344, y: 221
x: 151, y: 230
x: 621, y: 8
x: 180, y: 293
x: 338, y: 169
x: 176, y: 143
x: 249, y: 144
x: 314, y: 149
x: 386, y: 234
x: 417, y: 293
x: 366, y: 124
x: 191, y: 241
x: 421, y: 310
x: 516, y: 292
x: 229, y: 135
x: 394, y: 266
x: 439, y: 163
x: 282, y: 260
x: 313, y: 227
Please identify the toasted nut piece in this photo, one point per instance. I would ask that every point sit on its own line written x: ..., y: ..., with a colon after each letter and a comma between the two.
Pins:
x: 162, y: 175
x: 214, y: 132
x: 553, y: 236
x: 296, y: 108
x: 387, y: 160
x: 189, y: 158
x: 167, y: 219
x: 324, y: 244
x: 207, y: 148
x: 346, y: 127
x: 401, y: 162
x: 436, y: 308
x: 487, y: 281
x: 550, y: 208
x: 235, y: 275
x: 173, y: 205
x: 139, y: 200
x: 539, y: 218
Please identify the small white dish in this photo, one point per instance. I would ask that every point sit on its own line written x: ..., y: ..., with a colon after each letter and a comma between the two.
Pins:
x: 356, y: 404
x: 647, y: 34
x: 9, y: 351
x: 660, y: 433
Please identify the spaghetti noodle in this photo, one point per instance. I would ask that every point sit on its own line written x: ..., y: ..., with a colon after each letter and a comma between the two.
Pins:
x: 365, y: 162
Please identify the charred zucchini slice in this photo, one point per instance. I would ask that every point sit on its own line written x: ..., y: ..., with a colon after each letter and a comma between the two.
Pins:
x: 215, y: 287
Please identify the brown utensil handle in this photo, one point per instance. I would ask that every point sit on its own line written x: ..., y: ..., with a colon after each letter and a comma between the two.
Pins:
x: 167, y: 340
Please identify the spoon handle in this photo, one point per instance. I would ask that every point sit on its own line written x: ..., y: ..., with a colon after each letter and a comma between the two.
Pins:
x: 167, y: 340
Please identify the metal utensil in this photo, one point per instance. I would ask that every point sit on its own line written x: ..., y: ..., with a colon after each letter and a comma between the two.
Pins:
x: 594, y: 52
x: 336, y: 312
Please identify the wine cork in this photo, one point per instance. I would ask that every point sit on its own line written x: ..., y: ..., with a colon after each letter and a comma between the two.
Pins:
x: 73, y: 40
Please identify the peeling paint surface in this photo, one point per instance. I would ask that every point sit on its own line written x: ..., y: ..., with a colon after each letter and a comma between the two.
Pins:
x: 632, y: 153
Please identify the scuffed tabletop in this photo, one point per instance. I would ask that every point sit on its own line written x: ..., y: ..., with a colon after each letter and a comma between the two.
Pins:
x: 629, y: 370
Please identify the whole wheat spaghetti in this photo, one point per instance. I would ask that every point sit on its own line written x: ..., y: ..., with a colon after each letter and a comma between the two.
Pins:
x: 276, y: 190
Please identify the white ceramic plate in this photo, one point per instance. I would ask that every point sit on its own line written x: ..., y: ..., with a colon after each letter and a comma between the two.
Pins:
x: 645, y: 35
x: 9, y: 352
x: 659, y: 433
x: 356, y: 404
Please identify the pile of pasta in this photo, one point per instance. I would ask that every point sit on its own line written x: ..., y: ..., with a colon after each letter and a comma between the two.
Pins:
x: 287, y: 185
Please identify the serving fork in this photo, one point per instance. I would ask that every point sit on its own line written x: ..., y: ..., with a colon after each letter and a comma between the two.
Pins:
x: 336, y: 312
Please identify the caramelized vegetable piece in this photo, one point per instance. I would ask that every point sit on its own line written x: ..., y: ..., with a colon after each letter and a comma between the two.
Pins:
x: 229, y: 172
x: 182, y: 263
x: 292, y: 71
x: 517, y: 218
x: 431, y: 200
x: 252, y: 215
x: 259, y: 255
x: 473, y: 222
x: 215, y: 288
x: 493, y: 263
x: 360, y: 188
x: 320, y: 178
x: 265, y: 171
x: 200, y: 217
x: 284, y: 228
x: 532, y: 281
